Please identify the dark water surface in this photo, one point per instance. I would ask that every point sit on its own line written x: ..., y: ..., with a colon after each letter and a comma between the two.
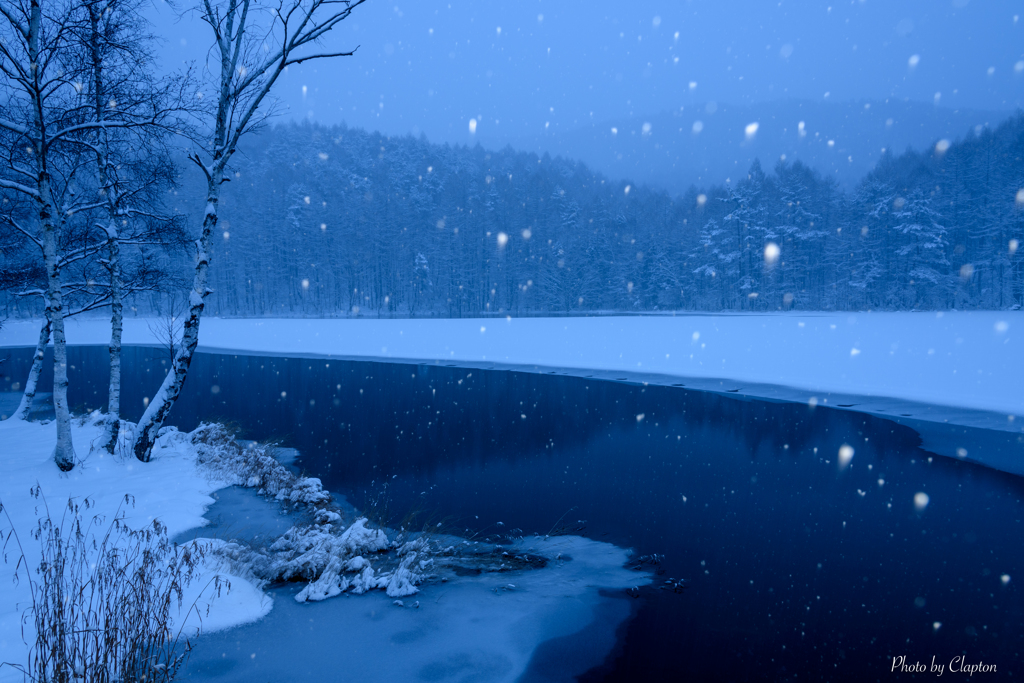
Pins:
x: 798, y: 569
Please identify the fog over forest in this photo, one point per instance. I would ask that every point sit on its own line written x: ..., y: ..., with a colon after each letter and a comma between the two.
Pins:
x: 327, y: 221
x: 332, y: 220
x: 575, y: 159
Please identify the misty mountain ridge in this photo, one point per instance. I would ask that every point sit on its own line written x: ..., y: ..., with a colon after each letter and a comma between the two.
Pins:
x: 712, y: 143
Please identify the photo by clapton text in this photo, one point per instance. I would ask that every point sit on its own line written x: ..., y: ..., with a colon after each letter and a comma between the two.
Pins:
x: 957, y: 664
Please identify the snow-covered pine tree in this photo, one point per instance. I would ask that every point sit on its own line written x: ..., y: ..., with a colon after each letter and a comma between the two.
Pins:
x: 750, y: 224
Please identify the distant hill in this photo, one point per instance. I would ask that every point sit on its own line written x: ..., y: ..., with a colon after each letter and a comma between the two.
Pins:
x: 335, y: 220
x: 706, y: 144
x: 321, y: 221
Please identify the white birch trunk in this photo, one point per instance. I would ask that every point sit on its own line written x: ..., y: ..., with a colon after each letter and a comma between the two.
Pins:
x: 64, y: 450
x: 116, y: 327
x: 110, y: 195
x: 254, y: 82
x: 156, y: 412
x: 31, y: 384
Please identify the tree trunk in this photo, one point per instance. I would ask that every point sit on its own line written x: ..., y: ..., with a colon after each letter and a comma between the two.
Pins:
x: 64, y: 450
x: 153, y: 419
x: 116, y: 326
x: 235, y: 109
x: 25, y: 407
x: 109, y: 195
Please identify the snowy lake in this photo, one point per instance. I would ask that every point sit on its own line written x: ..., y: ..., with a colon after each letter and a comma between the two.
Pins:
x: 797, y: 567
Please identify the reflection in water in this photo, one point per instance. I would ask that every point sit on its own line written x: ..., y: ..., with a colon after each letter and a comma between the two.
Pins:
x: 796, y: 566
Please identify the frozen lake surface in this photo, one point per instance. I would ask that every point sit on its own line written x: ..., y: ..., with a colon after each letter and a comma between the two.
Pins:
x: 796, y: 565
x: 483, y: 627
x: 888, y: 363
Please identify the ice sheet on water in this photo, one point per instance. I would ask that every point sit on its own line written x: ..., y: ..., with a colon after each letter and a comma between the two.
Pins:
x: 480, y: 626
x: 974, y: 365
x: 239, y: 514
x: 462, y: 629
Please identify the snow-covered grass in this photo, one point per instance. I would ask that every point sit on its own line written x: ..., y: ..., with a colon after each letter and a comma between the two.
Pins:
x: 170, y: 488
x: 333, y: 555
x: 961, y: 360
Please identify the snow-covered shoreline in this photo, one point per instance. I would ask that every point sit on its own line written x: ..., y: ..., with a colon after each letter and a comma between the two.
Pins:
x: 554, y: 597
x: 966, y: 361
x: 169, y: 488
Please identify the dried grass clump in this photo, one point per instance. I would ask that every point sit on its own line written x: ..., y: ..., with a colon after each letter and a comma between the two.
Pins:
x: 104, y: 601
x: 254, y: 466
x: 330, y: 557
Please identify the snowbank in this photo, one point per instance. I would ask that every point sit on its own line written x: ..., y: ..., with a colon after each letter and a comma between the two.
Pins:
x: 878, y: 361
x: 168, y: 488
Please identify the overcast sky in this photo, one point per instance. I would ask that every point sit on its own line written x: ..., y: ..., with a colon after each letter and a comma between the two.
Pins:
x: 521, y: 68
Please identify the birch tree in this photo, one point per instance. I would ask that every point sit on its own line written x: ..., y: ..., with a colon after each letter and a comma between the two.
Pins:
x: 82, y: 293
x: 36, y: 78
x: 131, y: 165
x: 28, y: 280
x: 51, y: 127
x: 254, y: 42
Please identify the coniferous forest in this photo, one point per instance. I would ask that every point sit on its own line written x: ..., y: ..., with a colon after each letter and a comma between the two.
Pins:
x: 324, y: 221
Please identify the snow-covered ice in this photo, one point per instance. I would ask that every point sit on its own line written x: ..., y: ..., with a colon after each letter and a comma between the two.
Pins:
x: 488, y: 627
x: 968, y: 361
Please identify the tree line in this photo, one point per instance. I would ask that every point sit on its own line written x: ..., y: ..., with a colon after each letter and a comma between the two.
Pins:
x: 329, y: 220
